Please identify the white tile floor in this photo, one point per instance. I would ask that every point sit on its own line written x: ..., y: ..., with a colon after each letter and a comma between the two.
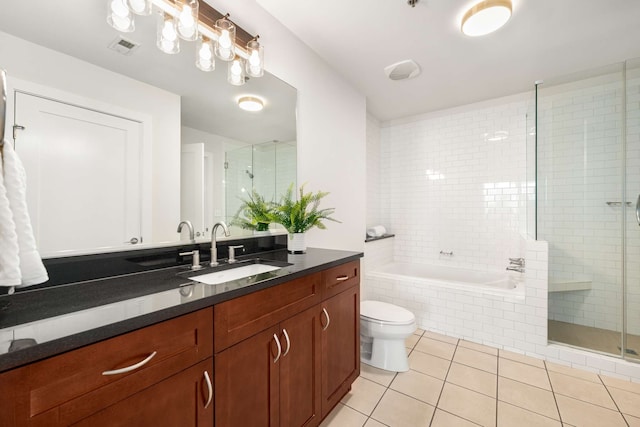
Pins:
x: 459, y: 383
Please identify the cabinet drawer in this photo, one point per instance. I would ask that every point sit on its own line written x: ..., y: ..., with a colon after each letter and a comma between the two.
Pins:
x: 340, y: 278
x: 242, y: 317
x: 66, y: 388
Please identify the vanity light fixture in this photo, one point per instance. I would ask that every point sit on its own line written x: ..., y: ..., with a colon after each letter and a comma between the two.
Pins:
x: 486, y: 17
x: 235, y: 72
x: 119, y: 16
x: 139, y: 7
x: 195, y: 20
x: 204, y: 54
x: 255, y: 62
x: 225, y: 46
x: 187, y: 19
x: 167, y: 39
x: 250, y: 103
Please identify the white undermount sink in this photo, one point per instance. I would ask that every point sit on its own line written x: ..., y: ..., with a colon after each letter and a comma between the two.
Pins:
x: 233, y: 274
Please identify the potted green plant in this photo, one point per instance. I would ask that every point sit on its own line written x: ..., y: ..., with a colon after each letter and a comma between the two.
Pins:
x: 298, y: 216
x: 255, y: 213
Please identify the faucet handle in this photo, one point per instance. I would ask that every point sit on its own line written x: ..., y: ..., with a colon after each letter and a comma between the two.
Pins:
x: 517, y: 261
x: 195, y: 261
x: 232, y: 253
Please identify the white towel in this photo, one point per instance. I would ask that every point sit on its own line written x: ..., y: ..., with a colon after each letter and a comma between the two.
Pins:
x: 20, y: 262
x: 376, y: 231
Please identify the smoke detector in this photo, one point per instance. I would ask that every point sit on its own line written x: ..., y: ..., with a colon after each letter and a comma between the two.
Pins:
x: 402, y: 70
x: 123, y: 46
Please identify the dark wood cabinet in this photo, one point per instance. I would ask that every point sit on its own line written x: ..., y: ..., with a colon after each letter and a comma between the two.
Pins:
x: 340, y: 346
x: 303, y: 358
x: 71, y: 387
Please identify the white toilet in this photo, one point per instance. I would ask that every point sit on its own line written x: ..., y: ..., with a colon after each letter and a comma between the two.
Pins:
x: 383, y: 330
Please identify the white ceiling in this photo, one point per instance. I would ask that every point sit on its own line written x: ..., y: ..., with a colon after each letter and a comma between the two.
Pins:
x: 544, y: 39
x: 208, y: 102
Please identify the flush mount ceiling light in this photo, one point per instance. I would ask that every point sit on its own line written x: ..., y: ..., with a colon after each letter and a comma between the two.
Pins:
x: 250, y: 103
x: 486, y: 17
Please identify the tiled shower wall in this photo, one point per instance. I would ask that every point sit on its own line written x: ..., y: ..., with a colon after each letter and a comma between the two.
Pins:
x: 580, y: 146
x: 455, y: 181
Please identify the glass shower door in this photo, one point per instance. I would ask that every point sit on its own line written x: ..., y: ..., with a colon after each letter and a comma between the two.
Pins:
x: 632, y: 219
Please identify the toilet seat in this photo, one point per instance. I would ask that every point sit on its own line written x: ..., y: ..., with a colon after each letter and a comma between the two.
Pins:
x: 377, y: 311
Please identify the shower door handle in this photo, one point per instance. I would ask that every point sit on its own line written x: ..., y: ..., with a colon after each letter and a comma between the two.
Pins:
x: 638, y: 209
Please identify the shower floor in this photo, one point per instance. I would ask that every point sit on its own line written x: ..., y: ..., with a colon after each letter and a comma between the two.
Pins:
x: 603, y: 340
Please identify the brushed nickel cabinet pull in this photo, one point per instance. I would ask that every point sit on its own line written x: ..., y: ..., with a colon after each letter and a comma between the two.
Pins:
x: 132, y: 367
x: 210, y: 388
x: 275, y: 337
x: 324, y: 310
x: 342, y: 278
x: 286, y: 336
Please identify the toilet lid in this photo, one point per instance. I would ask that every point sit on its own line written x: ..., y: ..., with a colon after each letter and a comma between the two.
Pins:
x: 385, y: 312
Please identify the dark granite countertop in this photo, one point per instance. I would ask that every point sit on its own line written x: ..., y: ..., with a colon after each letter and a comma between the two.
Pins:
x: 69, y: 316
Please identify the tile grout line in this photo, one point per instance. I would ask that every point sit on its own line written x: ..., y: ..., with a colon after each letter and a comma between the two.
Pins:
x: 553, y: 393
x: 444, y: 382
x: 614, y: 400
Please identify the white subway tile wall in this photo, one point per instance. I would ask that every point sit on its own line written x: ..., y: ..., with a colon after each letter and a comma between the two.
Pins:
x: 457, y: 183
x: 451, y: 181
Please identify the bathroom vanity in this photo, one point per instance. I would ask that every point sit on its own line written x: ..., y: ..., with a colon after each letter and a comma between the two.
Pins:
x: 277, y: 351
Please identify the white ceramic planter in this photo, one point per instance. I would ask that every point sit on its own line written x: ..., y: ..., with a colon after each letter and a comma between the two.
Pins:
x: 296, y: 243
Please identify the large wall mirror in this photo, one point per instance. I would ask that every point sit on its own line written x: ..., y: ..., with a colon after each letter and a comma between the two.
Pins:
x: 120, y: 145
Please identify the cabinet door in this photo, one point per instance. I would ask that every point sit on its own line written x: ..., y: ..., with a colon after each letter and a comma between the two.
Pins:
x: 185, y: 399
x: 300, y: 368
x: 247, y: 382
x: 340, y: 346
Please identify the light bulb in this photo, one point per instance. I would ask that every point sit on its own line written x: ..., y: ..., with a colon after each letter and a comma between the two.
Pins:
x: 168, y: 31
x: 121, y: 23
x: 205, y: 52
x: 119, y: 8
x: 186, y: 17
x: 138, y: 6
x: 168, y: 45
x: 224, y: 41
x: 236, y: 69
x: 254, y: 58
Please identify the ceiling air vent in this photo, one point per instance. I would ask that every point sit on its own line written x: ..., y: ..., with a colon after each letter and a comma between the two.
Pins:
x: 123, y: 46
x: 402, y: 70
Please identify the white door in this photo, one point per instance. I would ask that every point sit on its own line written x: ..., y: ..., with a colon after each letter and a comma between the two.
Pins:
x: 192, y: 187
x: 83, y: 175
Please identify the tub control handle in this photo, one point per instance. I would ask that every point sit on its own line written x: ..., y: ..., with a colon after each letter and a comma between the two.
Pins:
x: 286, y: 336
x: 275, y: 337
x: 132, y: 367
x: 342, y: 278
x: 209, y: 388
x: 324, y: 310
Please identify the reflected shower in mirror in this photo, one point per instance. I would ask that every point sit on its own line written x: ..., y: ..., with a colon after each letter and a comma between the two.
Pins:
x: 138, y: 133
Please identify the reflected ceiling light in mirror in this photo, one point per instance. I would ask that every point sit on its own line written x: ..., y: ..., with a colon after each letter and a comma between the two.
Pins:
x: 225, y: 46
x: 250, y: 103
x: 167, y: 39
x: 119, y: 16
x: 235, y: 72
x: 204, y: 54
x: 187, y: 19
x: 255, y: 61
x: 140, y: 7
x: 486, y: 17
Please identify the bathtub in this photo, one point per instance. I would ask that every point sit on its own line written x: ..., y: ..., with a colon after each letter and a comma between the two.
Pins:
x: 477, y: 305
x: 448, y: 276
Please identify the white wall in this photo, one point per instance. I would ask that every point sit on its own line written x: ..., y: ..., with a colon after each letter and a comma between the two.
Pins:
x: 33, y: 63
x: 455, y: 181
x: 331, y: 130
x: 374, y: 204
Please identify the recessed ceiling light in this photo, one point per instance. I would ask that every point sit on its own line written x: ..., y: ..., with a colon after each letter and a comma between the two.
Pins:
x: 486, y: 17
x: 250, y: 103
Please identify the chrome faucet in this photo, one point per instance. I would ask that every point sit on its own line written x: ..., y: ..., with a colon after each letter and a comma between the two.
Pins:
x: 232, y: 253
x: 214, y: 249
x: 190, y: 226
